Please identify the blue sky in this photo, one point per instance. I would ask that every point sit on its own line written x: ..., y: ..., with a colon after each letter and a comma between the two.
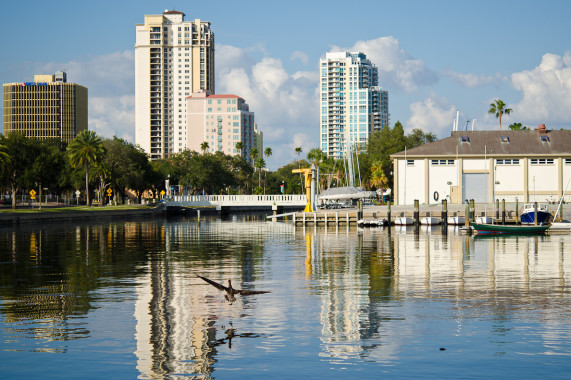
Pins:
x: 434, y: 58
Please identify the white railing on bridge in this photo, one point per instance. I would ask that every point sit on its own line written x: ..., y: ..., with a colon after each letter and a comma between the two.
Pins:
x: 236, y: 200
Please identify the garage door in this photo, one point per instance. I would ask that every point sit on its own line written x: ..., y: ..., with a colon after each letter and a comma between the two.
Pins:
x: 475, y: 186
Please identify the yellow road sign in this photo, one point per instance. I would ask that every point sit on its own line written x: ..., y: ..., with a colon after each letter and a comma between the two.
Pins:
x: 32, y: 192
x: 162, y: 192
x: 109, y: 192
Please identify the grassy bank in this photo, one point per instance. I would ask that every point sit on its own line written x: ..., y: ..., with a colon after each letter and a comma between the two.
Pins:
x: 56, y: 210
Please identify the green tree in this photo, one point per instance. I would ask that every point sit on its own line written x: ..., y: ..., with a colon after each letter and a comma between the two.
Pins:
x: 240, y: 146
x: 517, y: 127
x: 260, y: 164
x: 48, y: 169
x: 4, y: 157
x: 268, y: 152
x: 498, y: 108
x: 392, y: 140
x: 204, y: 146
x: 254, y: 154
x: 21, y: 157
x: 84, y: 151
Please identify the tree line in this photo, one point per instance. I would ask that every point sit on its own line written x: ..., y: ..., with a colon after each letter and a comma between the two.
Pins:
x: 93, y: 165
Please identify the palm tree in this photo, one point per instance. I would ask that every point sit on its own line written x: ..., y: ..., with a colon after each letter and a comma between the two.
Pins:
x: 268, y: 152
x: 4, y: 156
x: 499, y: 109
x: 240, y: 146
x: 298, y: 151
x: 254, y: 154
x: 260, y: 164
x: 86, y: 150
x: 316, y: 156
x: 204, y: 146
x: 378, y: 178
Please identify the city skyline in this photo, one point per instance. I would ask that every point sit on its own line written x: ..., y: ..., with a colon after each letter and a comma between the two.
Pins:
x: 433, y: 58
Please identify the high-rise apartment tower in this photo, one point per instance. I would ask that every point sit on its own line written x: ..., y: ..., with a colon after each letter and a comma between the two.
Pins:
x: 173, y: 59
x: 352, y: 103
x: 48, y: 107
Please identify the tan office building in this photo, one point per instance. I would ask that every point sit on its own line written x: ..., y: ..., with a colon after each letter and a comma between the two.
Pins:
x: 48, y: 107
x: 173, y: 59
x: 221, y: 121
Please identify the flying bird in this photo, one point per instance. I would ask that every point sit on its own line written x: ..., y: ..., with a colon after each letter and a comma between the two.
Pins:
x: 230, y: 291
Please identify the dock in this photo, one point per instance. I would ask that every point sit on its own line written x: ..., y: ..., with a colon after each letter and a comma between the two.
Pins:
x: 350, y: 216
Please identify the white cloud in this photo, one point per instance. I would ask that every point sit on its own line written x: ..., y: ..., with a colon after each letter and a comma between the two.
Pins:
x: 110, y: 81
x: 301, y: 56
x: 434, y: 114
x: 472, y: 80
x: 397, y: 69
x: 108, y: 114
x: 285, y: 104
x: 546, y: 91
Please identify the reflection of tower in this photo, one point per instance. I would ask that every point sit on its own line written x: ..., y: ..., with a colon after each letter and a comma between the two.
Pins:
x: 176, y: 330
x: 172, y: 330
x: 346, y: 310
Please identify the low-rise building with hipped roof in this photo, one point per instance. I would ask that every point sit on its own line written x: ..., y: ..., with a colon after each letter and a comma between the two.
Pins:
x: 530, y: 165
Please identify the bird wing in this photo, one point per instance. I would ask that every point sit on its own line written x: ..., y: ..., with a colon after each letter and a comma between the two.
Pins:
x: 213, y: 283
x: 245, y: 292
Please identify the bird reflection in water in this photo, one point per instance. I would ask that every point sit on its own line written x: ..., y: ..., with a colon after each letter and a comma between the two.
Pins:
x: 230, y: 291
x: 231, y: 334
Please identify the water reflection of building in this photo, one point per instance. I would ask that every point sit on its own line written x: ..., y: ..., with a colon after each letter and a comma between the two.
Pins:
x: 347, y: 313
x: 178, y: 315
x: 503, y: 275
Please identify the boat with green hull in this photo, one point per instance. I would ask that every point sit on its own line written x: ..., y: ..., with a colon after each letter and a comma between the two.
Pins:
x: 496, y: 229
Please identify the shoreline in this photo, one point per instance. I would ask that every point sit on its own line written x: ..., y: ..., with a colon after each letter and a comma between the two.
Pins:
x: 20, y: 216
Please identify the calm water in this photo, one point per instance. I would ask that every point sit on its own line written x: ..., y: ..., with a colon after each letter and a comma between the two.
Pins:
x: 121, y: 300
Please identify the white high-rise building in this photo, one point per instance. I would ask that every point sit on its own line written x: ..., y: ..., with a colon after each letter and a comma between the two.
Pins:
x: 352, y: 103
x: 173, y: 59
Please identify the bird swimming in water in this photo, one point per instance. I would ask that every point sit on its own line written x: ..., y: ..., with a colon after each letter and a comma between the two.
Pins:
x: 230, y: 291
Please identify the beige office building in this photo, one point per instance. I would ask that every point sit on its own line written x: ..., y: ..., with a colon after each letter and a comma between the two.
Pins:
x: 173, y: 59
x: 221, y: 121
x: 48, y: 107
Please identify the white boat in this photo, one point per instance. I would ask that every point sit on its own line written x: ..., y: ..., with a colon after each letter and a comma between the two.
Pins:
x: 372, y: 222
x: 403, y: 221
x: 429, y: 221
x: 456, y: 220
x: 485, y: 220
x: 564, y: 226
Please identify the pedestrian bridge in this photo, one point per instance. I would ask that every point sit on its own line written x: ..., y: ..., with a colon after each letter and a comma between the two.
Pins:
x: 219, y: 201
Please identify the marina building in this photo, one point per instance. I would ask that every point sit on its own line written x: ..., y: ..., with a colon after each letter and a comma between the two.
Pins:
x: 352, y: 105
x: 173, y: 59
x: 48, y: 107
x: 530, y: 165
x: 221, y: 121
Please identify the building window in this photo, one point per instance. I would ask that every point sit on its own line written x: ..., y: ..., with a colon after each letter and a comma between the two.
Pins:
x: 514, y: 161
x: 541, y: 161
x: 568, y: 161
x: 410, y: 162
x: 442, y: 162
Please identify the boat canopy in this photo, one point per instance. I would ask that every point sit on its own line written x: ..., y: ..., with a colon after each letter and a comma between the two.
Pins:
x: 346, y: 192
